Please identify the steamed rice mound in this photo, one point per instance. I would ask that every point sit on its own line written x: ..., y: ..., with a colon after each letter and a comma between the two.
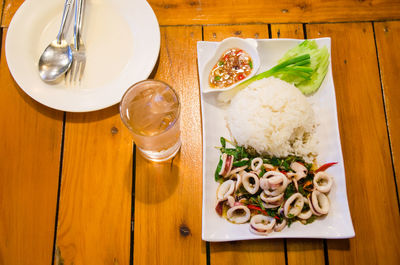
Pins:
x: 274, y: 118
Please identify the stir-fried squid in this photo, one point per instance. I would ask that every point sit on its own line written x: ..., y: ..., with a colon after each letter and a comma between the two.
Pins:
x: 270, y: 193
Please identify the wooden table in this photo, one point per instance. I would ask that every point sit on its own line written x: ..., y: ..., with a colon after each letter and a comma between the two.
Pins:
x: 74, y: 191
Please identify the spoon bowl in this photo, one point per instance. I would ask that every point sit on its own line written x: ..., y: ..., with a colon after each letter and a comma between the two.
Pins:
x: 55, y: 61
x: 57, y: 57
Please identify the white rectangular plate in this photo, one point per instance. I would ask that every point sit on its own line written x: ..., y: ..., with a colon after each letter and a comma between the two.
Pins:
x: 337, y: 224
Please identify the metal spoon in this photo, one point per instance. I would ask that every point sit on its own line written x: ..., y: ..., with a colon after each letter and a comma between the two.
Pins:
x: 57, y: 57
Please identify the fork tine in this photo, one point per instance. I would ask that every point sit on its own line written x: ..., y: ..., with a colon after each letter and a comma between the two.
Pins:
x: 72, y: 71
x: 78, y: 65
x: 83, y: 64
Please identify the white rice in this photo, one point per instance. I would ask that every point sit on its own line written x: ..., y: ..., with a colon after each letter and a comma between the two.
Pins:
x: 274, y: 118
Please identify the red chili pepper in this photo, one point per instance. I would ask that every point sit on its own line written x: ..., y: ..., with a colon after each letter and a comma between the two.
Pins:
x: 226, y: 57
x: 241, y: 76
x: 238, y: 51
x: 325, y: 167
x: 253, y: 207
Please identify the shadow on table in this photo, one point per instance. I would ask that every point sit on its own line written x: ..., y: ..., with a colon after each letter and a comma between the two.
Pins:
x: 34, y: 105
x: 277, y: 245
x: 155, y: 182
x: 338, y: 244
x: 249, y: 246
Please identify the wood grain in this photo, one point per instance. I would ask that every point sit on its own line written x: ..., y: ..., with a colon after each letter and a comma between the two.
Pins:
x: 299, y: 251
x: 243, y: 252
x: 294, y: 31
x: 168, y: 195
x: 196, y: 12
x: 1, y: 11
x: 94, y: 220
x: 387, y: 40
x: 30, y: 143
x: 218, y: 33
x: 173, y: 12
x: 369, y: 174
x: 9, y: 9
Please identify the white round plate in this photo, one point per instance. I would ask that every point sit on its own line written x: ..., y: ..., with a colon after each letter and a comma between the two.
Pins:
x: 122, y: 40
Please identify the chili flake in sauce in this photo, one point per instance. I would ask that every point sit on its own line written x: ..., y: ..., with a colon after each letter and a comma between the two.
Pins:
x: 233, y: 66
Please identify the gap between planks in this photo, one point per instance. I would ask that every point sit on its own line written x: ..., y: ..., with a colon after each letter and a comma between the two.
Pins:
x: 276, y: 23
x: 56, y: 258
x: 386, y: 114
x: 132, y: 232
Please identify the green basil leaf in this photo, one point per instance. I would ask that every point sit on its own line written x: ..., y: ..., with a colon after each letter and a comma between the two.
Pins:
x: 223, y: 142
x: 311, y: 219
x: 290, y: 190
x: 275, y: 161
x: 241, y: 163
x: 262, y: 171
x: 272, y: 212
x: 218, y: 169
x: 260, y: 203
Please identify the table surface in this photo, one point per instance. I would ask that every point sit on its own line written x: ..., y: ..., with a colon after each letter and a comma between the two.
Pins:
x: 73, y: 189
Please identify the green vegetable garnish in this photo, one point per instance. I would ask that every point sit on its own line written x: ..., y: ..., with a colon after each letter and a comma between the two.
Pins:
x: 217, y: 78
x: 275, y: 161
x: 302, y: 192
x: 251, y: 64
x: 272, y: 212
x: 218, y: 178
x: 220, y: 63
x: 285, y: 165
x: 288, y: 66
x: 238, y: 153
x: 319, y: 62
x: 253, y: 200
x: 223, y: 142
x: 241, y: 163
x: 290, y: 190
x: 260, y: 202
x: 262, y: 172
x: 305, y: 66
x: 290, y: 221
x: 311, y: 219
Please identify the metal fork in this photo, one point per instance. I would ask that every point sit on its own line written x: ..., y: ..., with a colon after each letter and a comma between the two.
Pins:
x: 78, y: 47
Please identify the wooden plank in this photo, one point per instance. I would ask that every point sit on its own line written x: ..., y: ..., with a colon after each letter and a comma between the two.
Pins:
x: 1, y: 10
x: 369, y: 174
x: 299, y: 251
x: 272, y: 11
x: 218, y: 33
x: 94, y: 218
x: 254, y: 251
x: 30, y: 144
x: 387, y: 40
x: 196, y: 12
x: 248, y: 252
x: 168, y: 195
x: 9, y: 9
x: 294, y: 31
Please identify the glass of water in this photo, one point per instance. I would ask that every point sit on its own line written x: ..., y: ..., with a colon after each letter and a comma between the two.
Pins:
x: 151, y: 111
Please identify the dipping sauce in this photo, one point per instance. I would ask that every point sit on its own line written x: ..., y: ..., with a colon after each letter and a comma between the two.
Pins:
x: 233, y: 66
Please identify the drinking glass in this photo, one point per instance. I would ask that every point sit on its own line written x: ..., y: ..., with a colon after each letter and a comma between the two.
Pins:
x: 151, y: 111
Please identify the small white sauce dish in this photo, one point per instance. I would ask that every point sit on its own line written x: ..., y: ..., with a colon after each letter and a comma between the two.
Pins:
x: 248, y: 45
